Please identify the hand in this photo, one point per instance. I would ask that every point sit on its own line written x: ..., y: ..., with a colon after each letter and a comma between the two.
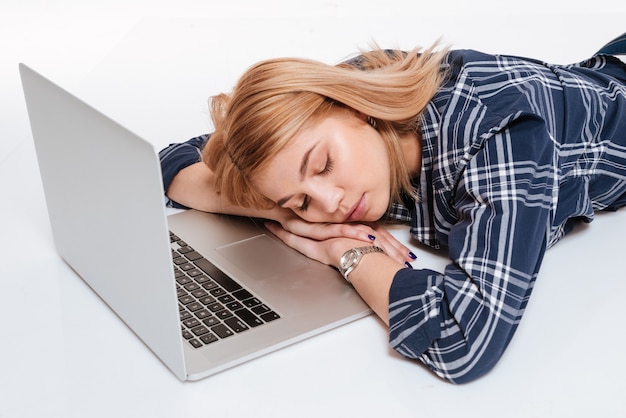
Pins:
x: 322, y: 241
x: 374, y: 281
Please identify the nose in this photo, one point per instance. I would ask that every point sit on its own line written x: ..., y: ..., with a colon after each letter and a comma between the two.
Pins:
x: 328, y: 197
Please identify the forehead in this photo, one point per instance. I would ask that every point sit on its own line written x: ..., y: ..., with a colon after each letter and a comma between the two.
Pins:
x: 289, y: 158
x: 287, y: 163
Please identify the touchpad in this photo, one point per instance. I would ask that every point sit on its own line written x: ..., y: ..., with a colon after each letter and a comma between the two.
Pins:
x: 262, y: 257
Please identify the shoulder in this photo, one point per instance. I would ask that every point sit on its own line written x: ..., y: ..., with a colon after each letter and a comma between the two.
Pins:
x: 480, y: 68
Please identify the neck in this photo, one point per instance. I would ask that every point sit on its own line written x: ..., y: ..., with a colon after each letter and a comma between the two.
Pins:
x: 411, y: 145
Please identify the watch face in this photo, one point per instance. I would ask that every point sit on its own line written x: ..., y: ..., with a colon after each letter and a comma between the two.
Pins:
x: 349, y: 259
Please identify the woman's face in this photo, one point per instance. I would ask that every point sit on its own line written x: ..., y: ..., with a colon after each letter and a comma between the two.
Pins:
x: 333, y: 170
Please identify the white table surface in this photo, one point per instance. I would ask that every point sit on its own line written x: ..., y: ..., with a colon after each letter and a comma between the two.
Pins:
x: 151, y: 66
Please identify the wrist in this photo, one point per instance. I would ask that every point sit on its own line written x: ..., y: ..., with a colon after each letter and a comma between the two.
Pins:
x: 352, y: 258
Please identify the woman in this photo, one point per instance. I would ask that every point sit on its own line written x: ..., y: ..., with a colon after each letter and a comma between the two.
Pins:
x: 492, y: 157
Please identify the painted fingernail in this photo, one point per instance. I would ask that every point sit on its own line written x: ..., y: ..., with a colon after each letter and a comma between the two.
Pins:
x: 408, y: 265
x: 371, y: 237
x: 413, y: 256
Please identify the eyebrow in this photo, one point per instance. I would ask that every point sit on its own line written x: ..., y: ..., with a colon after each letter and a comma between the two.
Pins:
x: 303, y: 167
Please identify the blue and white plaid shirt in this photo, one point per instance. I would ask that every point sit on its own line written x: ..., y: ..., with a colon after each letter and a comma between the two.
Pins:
x: 514, y: 152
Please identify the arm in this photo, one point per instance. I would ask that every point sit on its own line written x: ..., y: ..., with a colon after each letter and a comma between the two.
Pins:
x: 188, y: 182
x: 460, y: 321
x: 193, y: 187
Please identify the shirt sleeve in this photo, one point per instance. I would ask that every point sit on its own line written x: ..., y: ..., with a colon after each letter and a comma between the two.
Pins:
x: 175, y: 158
x: 458, y: 322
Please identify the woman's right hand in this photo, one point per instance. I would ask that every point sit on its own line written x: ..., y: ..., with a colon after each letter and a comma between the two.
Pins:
x: 372, y: 234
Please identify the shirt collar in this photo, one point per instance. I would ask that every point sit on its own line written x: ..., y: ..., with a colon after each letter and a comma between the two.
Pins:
x: 422, y: 220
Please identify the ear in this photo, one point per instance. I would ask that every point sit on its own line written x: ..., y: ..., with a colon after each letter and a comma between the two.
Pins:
x: 372, y: 122
x: 365, y: 118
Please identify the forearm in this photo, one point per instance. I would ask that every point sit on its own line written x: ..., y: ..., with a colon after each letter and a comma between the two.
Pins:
x: 372, y: 279
x: 194, y: 187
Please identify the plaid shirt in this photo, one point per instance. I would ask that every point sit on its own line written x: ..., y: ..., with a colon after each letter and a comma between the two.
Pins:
x: 514, y: 152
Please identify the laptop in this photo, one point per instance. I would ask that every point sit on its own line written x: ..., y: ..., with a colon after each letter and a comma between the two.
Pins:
x: 204, y: 292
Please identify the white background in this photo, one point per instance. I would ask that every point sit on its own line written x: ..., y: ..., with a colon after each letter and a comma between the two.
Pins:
x: 151, y: 65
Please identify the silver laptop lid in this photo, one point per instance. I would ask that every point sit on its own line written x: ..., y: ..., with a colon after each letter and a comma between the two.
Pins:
x: 104, y: 195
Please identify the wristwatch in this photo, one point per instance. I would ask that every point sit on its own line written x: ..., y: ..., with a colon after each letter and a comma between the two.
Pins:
x: 351, y: 258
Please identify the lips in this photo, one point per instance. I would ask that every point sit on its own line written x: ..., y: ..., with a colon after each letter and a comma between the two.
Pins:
x: 357, y: 211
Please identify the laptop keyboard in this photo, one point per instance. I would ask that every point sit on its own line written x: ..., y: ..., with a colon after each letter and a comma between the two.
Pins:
x: 212, y: 305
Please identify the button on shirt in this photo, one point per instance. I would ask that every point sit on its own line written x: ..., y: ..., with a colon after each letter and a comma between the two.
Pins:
x: 514, y: 152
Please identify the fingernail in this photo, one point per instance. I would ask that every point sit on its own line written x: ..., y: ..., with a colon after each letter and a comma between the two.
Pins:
x: 413, y: 256
x: 371, y: 237
x: 408, y: 265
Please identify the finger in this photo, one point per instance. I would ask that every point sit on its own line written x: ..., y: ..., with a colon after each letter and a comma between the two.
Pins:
x: 322, y: 231
x: 299, y: 243
x: 393, y: 247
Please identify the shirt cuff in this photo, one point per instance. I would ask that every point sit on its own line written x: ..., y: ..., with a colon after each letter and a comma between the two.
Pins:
x: 414, y: 311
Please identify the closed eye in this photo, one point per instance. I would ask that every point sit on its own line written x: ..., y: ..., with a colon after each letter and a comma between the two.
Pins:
x: 329, y: 166
x: 327, y: 169
x: 305, y: 204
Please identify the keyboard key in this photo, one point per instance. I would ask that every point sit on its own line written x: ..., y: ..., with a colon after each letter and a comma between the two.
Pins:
x: 184, y: 280
x: 200, y: 330
x: 251, y: 302
x: 226, y: 299
x: 209, y: 338
x: 218, y: 291
x: 210, y: 321
x: 260, y: 309
x: 201, y: 314
x: 179, y: 260
x: 194, y: 306
x: 236, y: 324
x: 192, y: 255
x: 223, y: 314
x: 201, y: 278
x: 184, y: 249
x: 195, y: 343
x: 199, y: 293
x: 242, y: 294
x: 186, y: 300
x: 187, y: 335
x: 206, y: 300
x: 210, y: 284
x: 233, y: 306
x: 248, y: 317
x: 270, y: 316
x: 186, y: 266
x: 214, y: 307
x: 191, y: 322
x: 191, y: 287
x: 194, y: 272
x: 222, y: 331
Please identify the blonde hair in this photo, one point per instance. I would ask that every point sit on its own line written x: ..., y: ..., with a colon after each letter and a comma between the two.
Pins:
x: 274, y: 99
